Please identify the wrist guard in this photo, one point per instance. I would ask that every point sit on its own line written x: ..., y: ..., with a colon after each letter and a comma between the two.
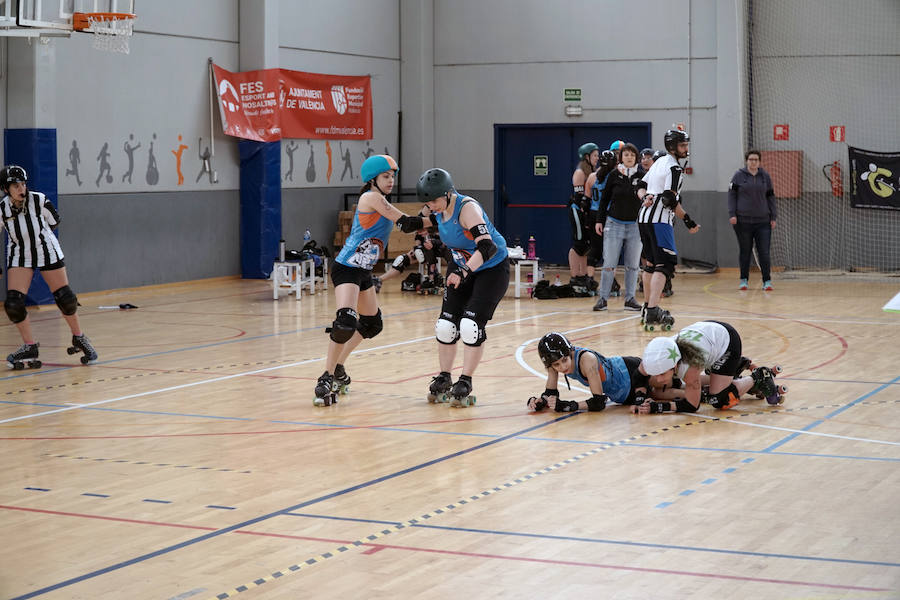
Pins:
x: 463, y: 271
x: 688, y: 221
x: 658, y: 407
x: 597, y: 402
x: 409, y: 224
x: 565, y: 406
x: 537, y: 404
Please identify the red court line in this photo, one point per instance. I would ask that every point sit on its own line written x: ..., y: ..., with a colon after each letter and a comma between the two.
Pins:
x: 350, y: 428
x: 374, y: 548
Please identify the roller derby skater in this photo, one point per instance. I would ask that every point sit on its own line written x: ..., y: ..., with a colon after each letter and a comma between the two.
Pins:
x: 580, y: 215
x: 711, y: 347
x: 23, y: 211
x: 25, y: 356
x: 661, y: 203
x: 608, y: 377
x: 478, y: 277
x: 358, y: 316
x: 657, y: 318
x: 325, y: 394
x: 440, y: 385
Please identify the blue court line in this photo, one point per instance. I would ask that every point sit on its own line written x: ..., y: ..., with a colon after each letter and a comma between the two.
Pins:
x: 37, y: 489
x: 605, y: 541
x: 811, y: 426
x: 189, y: 348
x: 229, y: 529
x: 96, y: 495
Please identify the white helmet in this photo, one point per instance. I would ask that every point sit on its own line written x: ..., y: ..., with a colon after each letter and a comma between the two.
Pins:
x: 661, y: 355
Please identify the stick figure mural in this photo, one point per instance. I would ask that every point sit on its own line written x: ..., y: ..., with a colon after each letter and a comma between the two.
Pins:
x: 152, y: 171
x: 129, y: 150
x: 74, y: 160
x: 181, y: 148
x: 368, y: 152
x: 290, y: 148
x: 328, y: 152
x: 311, y: 164
x: 104, y: 165
x: 348, y: 166
x: 205, y: 166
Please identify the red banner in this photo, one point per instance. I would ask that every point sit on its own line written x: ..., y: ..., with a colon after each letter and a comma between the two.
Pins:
x: 270, y: 104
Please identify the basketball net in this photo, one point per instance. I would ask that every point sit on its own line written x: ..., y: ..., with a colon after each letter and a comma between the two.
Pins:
x: 111, y: 31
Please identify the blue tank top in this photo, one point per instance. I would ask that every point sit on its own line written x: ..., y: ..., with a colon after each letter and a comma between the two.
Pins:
x: 367, y: 240
x: 597, y: 191
x: 460, y: 241
x: 613, y: 372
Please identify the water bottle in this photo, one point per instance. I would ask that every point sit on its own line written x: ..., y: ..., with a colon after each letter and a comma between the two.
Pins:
x: 281, y: 250
x: 532, y: 248
x: 306, y: 237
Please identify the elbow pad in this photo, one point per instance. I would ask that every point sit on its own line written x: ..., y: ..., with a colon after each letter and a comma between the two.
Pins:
x: 597, y: 402
x: 487, y: 247
x: 669, y: 199
x: 685, y: 406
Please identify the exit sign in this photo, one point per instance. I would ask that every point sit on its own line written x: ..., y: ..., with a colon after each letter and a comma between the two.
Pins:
x: 572, y: 94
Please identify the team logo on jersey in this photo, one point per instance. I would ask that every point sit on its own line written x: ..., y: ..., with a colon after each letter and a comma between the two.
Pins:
x: 339, y: 99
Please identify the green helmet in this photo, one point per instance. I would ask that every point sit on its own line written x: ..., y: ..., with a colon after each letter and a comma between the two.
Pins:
x: 587, y: 149
x: 433, y: 183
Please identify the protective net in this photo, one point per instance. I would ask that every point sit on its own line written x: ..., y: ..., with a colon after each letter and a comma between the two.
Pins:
x: 822, y: 75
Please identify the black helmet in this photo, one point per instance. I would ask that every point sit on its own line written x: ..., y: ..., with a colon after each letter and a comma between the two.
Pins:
x: 674, y: 137
x: 552, y: 347
x: 12, y: 174
x: 433, y: 183
x: 658, y: 154
x: 607, y: 160
x: 647, y: 152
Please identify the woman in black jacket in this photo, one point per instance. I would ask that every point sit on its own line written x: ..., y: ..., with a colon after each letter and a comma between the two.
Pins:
x: 751, y: 210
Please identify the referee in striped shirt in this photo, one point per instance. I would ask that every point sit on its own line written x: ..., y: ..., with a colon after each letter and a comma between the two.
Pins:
x: 29, y: 218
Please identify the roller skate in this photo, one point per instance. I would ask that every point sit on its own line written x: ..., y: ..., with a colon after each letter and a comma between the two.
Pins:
x: 616, y: 289
x: 658, y: 318
x: 764, y: 385
x: 81, y: 343
x: 341, y: 384
x: 440, y: 385
x: 26, y: 355
x: 460, y: 394
x: 325, y: 395
x: 643, y: 313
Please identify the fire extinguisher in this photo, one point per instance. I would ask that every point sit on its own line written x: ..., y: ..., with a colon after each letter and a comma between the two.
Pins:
x: 835, y: 175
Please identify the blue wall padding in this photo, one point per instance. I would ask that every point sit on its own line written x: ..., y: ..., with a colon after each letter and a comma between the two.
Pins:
x: 35, y: 151
x: 260, y: 207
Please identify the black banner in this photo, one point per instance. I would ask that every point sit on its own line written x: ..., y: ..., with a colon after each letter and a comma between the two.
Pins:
x: 874, y: 179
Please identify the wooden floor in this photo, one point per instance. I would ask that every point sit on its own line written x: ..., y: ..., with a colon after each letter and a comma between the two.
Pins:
x: 189, y: 462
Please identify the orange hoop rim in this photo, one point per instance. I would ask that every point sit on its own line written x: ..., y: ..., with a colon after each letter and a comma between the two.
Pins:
x: 81, y: 21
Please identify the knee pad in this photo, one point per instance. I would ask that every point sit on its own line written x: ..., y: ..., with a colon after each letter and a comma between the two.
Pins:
x: 370, y: 325
x: 666, y: 269
x: 471, y: 332
x: 344, y: 325
x: 15, y: 306
x: 66, y: 300
x: 647, y: 268
x: 446, y: 331
x: 726, y: 398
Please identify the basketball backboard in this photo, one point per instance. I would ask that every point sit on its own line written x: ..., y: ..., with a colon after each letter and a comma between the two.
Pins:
x: 49, y: 18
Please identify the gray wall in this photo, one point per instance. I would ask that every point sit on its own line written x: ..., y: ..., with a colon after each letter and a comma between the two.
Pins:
x: 454, y: 68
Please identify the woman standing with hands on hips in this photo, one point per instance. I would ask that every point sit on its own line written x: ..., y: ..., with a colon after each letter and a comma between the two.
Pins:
x: 478, y: 277
x: 752, y: 212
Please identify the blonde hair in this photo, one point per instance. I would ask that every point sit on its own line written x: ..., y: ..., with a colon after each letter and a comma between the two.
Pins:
x: 691, y: 354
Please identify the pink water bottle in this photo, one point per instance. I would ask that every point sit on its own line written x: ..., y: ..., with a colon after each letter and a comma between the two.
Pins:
x: 532, y: 249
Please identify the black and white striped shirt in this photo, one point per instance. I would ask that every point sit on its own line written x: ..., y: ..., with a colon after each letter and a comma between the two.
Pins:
x: 30, y: 240
x: 665, y: 174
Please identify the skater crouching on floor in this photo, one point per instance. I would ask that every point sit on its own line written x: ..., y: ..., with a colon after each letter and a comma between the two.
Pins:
x: 610, y: 378
x: 477, y: 279
x: 29, y: 218
x: 706, y: 346
x: 358, y: 316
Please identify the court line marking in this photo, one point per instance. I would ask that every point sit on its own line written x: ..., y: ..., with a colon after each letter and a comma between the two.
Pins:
x: 184, y: 386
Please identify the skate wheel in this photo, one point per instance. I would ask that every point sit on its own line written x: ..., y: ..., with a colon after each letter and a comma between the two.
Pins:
x: 36, y: 364
x: 777, y: 369
x: 667, y: 327
x: 18, y: 366
x: 782, y: 389
x: 775, y: 400
x: 85, y: 360
x: 71, y: 350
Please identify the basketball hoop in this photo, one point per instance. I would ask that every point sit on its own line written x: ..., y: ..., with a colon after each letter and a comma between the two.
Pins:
x: 111, y: 30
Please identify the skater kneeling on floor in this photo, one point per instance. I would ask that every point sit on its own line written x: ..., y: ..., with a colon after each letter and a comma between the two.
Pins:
x: 29, y: 218
x: 610, y: 378
x: 477, y: 279
x: 713, y: 347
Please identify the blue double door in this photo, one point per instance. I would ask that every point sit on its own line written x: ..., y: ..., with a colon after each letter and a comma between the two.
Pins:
x: 533, y: 178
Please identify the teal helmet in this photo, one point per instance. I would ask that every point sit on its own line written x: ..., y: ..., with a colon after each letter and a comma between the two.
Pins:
x: 586, y: 149
x: 375, y: 165
x: 616, y: 145
x: 433, y: 183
